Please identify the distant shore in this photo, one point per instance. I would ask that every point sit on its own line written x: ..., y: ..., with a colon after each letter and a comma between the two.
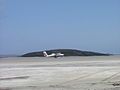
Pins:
x: 66, y: 52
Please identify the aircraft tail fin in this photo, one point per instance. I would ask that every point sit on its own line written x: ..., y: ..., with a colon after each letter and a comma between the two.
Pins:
x: 45, y: 54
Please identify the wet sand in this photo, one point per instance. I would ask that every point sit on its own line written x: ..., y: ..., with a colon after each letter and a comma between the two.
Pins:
x: 66, y: 73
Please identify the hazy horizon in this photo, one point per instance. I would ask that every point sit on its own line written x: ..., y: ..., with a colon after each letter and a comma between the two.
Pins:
x: 36, y: 25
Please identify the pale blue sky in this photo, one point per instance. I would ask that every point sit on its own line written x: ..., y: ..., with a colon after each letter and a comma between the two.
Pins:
x: 35, y: 25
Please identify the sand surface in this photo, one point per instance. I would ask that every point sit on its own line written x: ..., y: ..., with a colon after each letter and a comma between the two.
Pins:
x: 66, y: 73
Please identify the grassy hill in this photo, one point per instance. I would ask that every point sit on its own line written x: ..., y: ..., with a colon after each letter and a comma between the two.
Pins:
x: 66, y: 52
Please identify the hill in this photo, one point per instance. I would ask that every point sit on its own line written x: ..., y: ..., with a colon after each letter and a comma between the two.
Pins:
x: 66, y: 52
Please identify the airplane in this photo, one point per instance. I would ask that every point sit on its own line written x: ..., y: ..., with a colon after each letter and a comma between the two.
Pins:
x: 55, y: 55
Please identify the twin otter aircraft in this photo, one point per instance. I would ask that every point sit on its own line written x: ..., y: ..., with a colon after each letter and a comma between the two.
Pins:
x: 55, y: 55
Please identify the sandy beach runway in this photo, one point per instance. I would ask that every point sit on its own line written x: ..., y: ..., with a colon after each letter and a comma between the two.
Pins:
x: 66, y: 73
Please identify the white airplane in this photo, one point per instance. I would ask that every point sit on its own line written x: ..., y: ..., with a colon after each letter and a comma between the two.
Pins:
x: 53, y: 54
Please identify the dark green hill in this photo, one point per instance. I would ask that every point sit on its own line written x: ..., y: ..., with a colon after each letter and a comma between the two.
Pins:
x: 66, y: 52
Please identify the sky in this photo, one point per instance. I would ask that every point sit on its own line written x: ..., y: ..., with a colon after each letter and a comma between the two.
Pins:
x: 36, y: 25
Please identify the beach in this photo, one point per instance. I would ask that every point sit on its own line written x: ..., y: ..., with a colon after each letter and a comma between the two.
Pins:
x: 64, y: 73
